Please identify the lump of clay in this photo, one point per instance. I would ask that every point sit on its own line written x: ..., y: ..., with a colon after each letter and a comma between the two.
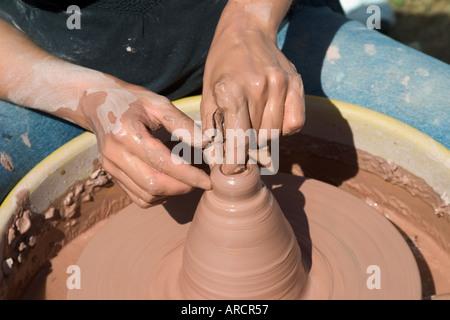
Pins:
x: 239, y: 245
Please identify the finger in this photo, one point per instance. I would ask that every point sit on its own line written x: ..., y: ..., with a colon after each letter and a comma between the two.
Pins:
x: 208, y: 108
x: 294, y: 110
x: 274, y: 108
x: 146, y: 183
x: 231, y: 99
x: 141, y: 203
x: 212, y: 122
x: 175, y: 121
x: 237, y: 140
x: 154, y: 153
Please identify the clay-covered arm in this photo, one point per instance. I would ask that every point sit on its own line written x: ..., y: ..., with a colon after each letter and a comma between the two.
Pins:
x: 31, y: 77
x: 248, y: 82
x: 120, y: 114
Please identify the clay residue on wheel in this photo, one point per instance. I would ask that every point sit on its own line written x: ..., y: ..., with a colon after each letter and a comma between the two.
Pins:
x: 32, y: 239
x: 6, y: 161
x: 406, y: 200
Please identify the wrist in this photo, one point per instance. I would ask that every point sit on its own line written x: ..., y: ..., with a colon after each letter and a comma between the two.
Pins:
x: 242, y: 16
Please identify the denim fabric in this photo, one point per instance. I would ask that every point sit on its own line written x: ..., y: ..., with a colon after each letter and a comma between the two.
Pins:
x: 344, y: 60
x: 27, y: 137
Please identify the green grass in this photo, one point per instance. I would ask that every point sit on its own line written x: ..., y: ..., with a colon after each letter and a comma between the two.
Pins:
x: 425, y: 25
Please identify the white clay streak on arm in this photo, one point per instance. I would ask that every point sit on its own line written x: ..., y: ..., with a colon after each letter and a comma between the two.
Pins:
x: 33, y: 78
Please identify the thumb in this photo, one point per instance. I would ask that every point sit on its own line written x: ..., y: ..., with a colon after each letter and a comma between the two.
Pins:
x: 232, y: 105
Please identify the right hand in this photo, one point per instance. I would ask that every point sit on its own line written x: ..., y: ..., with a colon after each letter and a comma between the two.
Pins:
x: 123, y: 120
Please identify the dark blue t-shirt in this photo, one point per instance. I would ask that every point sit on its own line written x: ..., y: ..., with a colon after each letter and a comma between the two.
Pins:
x: 159, y: 44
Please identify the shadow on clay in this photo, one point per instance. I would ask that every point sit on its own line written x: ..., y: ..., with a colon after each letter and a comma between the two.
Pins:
x: 293, y: 207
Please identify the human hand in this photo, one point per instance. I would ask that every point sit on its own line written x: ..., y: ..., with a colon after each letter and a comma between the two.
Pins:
x: 121, y: 115
x: 123, y: 120
x: 249, y: 83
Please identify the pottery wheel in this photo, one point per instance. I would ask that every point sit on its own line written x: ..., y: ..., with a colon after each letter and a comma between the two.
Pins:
x: 349, y: 249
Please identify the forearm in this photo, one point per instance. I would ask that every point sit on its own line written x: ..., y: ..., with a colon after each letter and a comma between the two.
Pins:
x: 31, y: 77
x: 254, y: 15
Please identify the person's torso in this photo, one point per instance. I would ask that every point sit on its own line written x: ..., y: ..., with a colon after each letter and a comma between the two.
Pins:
x: 159, y: 44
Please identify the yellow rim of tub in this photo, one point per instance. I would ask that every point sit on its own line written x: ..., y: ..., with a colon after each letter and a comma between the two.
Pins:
x: 425, y: 151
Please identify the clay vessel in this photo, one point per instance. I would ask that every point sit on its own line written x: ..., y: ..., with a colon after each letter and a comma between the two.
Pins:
x: 240, y: 245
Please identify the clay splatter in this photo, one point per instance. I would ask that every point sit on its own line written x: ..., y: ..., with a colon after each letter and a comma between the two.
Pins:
x: 26, y: 140
x: 405, y: 81
x: 333, y: 54
x: 437, y: 122
x: 370, y: 49
x: 117, y: 102
x: 421, y: 72
x: 6, y: 161
x: 408, y: 98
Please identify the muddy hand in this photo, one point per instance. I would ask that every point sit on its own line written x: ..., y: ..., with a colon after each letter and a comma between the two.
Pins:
x: 141, y: 164
x: 248, y: 82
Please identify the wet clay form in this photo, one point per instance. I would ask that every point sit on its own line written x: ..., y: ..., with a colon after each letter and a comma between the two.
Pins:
x: 240, y: 245
x: 280, y: 237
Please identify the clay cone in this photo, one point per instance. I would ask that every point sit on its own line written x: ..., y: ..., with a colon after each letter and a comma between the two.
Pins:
x: 239, y: 245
